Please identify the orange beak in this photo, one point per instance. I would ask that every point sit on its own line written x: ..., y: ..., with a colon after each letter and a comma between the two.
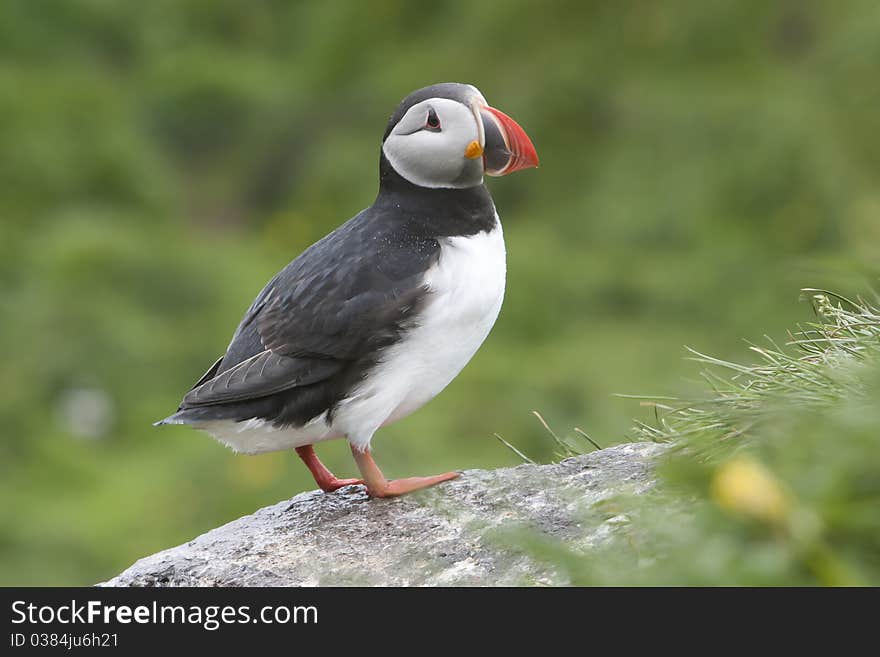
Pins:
x: 508, y: 147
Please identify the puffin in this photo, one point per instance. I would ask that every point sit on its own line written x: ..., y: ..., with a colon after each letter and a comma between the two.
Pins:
x: 375, y: 319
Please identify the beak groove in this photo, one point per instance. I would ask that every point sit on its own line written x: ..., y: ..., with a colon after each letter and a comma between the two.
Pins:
x: 508, y: 147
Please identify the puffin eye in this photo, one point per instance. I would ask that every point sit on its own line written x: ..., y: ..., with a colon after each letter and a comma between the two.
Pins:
x: 433, y: 121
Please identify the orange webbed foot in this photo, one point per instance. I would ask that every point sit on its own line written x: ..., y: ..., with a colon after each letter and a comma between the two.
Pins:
x: 326, y: 480
x: 378, y: 486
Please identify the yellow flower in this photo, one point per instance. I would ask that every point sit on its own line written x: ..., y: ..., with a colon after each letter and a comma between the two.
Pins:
x: 742, y: 485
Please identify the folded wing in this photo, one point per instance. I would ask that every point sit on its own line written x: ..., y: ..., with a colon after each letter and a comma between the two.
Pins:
x: 343, y: 299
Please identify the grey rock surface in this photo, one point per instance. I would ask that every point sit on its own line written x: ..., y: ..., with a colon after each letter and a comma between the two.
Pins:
x: 465, y: 532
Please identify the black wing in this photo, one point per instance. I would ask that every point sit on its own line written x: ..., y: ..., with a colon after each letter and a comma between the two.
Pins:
x: 346, y: 297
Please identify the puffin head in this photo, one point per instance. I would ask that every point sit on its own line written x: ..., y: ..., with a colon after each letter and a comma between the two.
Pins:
x: 447, y: 136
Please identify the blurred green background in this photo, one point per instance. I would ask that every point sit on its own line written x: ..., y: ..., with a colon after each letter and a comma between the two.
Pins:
x: 700, y: 162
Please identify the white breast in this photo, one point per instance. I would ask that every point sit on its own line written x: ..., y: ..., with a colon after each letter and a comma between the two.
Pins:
x: 466, y: 288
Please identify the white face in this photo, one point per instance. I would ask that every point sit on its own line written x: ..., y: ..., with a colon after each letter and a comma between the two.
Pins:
x: 429, y: 145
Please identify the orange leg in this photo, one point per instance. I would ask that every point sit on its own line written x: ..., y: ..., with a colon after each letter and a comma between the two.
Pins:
x: 379, y: 486
x: 326, y: 480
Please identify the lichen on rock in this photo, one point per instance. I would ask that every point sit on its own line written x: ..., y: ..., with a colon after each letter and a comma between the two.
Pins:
x: 444, y: 536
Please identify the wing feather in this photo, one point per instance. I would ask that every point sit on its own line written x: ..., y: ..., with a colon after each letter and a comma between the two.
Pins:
x: 258, y: 376
x: 342, y: 299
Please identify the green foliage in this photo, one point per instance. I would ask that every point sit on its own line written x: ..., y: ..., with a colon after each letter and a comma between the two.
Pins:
x: 162, y: 160
x: 772, y: 479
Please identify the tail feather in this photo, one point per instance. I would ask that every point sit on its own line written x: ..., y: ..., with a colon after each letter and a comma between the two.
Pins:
x: 171, y: 419
x: 197, y: 416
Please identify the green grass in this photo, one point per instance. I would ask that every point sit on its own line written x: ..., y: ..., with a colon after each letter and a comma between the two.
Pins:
x: 771, y: 478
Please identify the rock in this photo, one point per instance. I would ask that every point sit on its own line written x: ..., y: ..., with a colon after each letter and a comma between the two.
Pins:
x: 461, y: 533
